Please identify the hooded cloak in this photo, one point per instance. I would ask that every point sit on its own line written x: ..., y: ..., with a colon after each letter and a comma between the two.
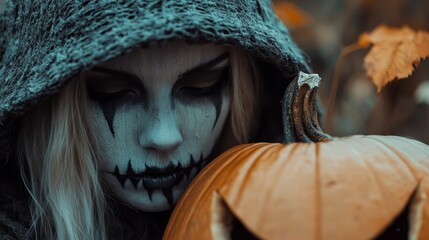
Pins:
x: 44, y: 44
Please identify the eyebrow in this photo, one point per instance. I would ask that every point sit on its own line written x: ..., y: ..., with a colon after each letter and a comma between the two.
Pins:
x: 136, y: 82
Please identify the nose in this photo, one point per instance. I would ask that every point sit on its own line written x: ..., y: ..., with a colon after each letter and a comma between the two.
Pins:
x: 162, y: 136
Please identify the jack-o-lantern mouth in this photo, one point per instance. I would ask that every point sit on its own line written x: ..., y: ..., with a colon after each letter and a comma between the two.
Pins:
x: 159, y: 178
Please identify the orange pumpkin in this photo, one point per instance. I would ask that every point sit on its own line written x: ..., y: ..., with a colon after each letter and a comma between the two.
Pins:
x: 349, y: 188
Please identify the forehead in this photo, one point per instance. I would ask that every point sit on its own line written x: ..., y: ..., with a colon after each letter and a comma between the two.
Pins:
x: 165, y: 63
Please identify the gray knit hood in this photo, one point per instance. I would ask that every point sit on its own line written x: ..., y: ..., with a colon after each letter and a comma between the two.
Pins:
x: 43, y: 44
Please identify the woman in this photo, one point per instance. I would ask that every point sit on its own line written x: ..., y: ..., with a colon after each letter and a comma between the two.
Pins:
x: 110, y: 108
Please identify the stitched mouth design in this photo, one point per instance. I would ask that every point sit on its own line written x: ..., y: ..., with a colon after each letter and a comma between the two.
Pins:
x: 159, y: 178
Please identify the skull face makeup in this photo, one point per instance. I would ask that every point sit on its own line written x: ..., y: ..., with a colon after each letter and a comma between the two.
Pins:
x: 157, y: 114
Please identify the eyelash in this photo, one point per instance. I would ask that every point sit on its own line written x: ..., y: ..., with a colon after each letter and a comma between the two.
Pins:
x: 190, y: 92
x: 114, y: 95
x: 185, y: 92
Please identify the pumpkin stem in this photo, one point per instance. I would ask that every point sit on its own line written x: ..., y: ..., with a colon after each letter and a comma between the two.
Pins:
x: 300, y: 121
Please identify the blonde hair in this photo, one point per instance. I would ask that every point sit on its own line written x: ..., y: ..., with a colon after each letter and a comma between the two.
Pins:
x: 68, y: 200
x: 58, y: 151
x: 245, y: 91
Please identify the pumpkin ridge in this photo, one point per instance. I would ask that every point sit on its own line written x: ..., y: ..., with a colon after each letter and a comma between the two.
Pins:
x: 380, y: 190
x: 268, y: 196
x: 231, y: 200
x: 240, y: 153
x: 291, y: 152
x: 221, y: 170
x: 278, y: 171
x: 318, y: 215
x: 250, y: 152
x: 414, y: 143
x: 399, y: 154
x: 370, y: 170
x: 363, y: 167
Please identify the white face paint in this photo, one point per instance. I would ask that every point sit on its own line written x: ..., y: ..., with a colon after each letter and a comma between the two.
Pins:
x: 157, y: 114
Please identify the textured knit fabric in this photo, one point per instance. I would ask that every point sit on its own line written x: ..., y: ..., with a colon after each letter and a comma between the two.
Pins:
x: 45, y: 43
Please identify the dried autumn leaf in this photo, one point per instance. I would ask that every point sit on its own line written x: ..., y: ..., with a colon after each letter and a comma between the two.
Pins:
x: 395, y: 53
x: 291, y: 15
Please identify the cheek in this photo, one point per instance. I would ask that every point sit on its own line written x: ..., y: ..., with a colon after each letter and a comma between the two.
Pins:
x: 119, y: 144
x: 202, y: 123
x: 100, y: 128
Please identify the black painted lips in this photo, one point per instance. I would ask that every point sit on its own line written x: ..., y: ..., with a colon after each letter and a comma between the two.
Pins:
x: 158, y: 178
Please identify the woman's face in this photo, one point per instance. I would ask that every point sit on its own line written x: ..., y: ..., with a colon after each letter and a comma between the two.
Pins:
x: 157, y: 114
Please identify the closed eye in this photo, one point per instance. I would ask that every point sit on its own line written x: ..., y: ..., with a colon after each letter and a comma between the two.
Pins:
x: 105, y: 96
x: 108, y: 81
x: 203, y: 85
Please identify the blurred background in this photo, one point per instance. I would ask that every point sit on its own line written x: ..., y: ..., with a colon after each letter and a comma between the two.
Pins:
x: 322, y: 28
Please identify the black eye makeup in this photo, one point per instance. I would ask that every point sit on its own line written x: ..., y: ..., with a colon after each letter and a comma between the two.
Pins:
x: 104, y: 84
x: 205, y: 85
x: 205, y: 80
